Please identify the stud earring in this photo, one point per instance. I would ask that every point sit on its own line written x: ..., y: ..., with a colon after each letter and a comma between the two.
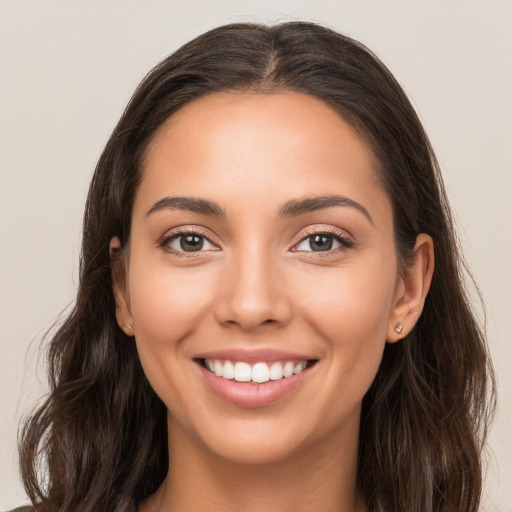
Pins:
x: 399, y: 328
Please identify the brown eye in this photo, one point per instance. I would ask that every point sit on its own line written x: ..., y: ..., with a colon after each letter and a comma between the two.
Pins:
x: 322, y: 242
x: 189, y: 242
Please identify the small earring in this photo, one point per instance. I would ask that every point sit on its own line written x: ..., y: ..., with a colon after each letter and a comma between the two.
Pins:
x: 399, y: 328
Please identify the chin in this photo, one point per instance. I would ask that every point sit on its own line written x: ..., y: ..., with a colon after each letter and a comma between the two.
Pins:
x: 275, y: 437
x: 248, y: 440
x: 258, y: 450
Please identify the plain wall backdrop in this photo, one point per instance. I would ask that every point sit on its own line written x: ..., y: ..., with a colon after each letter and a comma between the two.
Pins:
x: 67, y: 70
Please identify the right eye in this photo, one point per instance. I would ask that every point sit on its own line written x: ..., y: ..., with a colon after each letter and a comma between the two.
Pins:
x: 189, y: 242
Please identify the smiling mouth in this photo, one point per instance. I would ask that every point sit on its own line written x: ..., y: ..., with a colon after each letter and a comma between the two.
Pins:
x: 257, y: 373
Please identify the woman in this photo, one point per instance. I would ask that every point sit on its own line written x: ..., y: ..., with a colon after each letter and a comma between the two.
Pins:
x: 259, y: 324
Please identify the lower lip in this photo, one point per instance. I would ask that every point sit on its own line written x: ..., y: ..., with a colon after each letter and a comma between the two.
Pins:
x: 249, y: 395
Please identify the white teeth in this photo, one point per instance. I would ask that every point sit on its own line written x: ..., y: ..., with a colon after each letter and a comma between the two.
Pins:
x: 257, y: 373
x: 288, y: 369
x: 260, y: 373
x: 299, y: 367
x: 276, y: 371
x: 242, y: 372
x: 228, y: 370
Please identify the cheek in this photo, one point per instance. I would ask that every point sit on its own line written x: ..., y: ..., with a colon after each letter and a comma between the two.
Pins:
x: 350, y: 303
x: 351, y: 312
x: 167, y: 304
x: 352, y: 320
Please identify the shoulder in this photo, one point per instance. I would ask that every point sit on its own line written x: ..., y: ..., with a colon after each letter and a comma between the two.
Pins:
x: 22, y: 509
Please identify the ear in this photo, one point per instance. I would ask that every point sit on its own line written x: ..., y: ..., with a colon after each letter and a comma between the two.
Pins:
x: 412, y: 289
x: 120, y: 289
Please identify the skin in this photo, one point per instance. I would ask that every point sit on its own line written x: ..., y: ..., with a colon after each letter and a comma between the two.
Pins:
x: 258, y: 283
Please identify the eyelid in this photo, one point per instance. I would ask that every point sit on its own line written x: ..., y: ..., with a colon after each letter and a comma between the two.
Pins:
x: 185, y: 230
x: 340, y: 235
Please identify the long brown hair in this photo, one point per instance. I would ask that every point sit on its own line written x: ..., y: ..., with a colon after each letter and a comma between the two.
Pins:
x: 99, y: 442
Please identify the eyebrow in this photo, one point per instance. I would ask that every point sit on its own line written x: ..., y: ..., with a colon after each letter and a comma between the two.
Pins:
x: 292, y: 208
x: 297, y: 207
x: 191, y: 204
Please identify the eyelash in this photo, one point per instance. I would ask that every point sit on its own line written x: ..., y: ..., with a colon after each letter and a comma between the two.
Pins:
x: 345, y: 242
x: 166, y: 240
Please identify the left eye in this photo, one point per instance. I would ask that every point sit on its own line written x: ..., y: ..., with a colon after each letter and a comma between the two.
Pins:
x: 320, y: 243
x: 190, y: 242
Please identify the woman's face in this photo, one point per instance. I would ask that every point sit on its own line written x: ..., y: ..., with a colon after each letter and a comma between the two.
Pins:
x: 261, y: 243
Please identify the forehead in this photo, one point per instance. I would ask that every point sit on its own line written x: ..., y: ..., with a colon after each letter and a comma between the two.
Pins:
x: 283, y: 144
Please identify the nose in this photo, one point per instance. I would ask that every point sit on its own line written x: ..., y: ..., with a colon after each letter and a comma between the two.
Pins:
x: 253, y: 293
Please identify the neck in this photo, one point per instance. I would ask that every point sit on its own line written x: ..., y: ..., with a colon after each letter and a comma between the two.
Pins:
x: 321, y: 476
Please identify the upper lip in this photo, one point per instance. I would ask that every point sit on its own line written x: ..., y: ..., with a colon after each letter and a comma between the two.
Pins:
x: 253, y: 355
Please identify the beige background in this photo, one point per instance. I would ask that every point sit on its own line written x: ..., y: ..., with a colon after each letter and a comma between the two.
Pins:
x: 67, y: 69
